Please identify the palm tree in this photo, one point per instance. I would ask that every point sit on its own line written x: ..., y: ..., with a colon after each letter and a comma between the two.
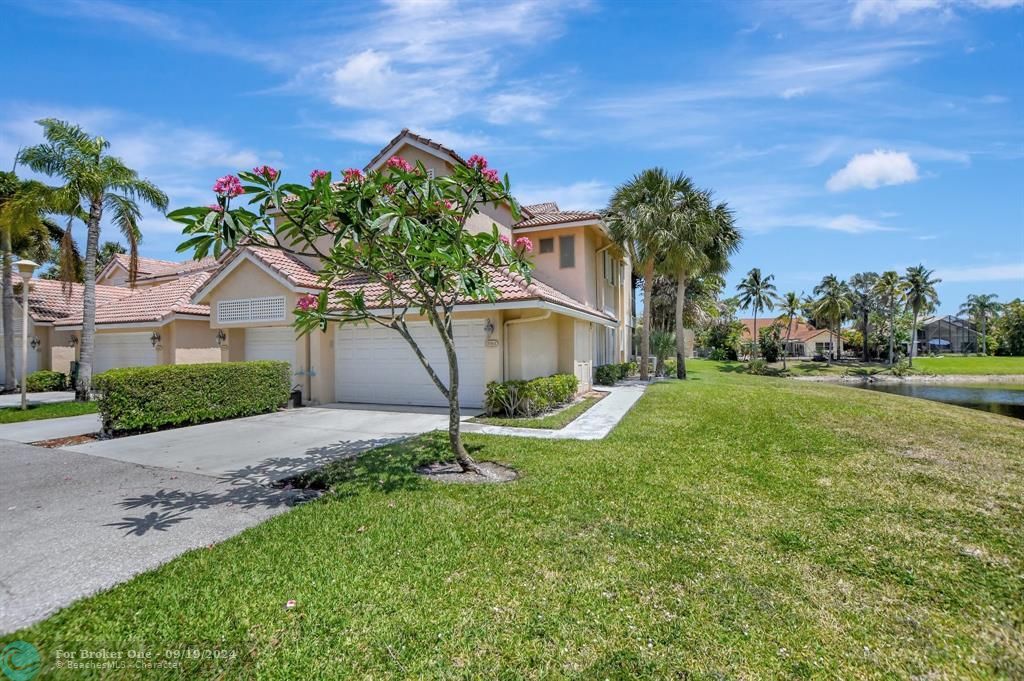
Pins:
x: 862, y: 286
x: 24, y: 229
x: 94, y: 182
x: 921, y: 297
x: 756, y: 293
x: 698, y: 242
x: 833, y: 303
x: 637, y: 216
x: 790, y: 305
x: 981, y: 307
x: 889, y: 291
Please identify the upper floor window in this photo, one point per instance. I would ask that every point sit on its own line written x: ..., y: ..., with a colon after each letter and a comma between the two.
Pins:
x: 567, y: 251
x: 611, y: 269
x: 547, y: 245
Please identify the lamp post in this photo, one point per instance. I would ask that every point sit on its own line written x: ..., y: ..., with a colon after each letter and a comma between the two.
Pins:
x: 25, y: 270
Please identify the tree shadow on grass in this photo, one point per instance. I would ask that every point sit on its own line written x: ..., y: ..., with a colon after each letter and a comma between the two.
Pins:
x: 270, y: 484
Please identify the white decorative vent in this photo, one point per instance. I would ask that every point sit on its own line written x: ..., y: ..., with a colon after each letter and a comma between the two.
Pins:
x: 251, y: 310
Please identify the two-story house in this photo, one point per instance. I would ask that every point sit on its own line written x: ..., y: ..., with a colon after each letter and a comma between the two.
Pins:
x: 574, y: 314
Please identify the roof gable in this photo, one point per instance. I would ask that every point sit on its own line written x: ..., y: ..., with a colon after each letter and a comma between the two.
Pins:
x: 418, y: 141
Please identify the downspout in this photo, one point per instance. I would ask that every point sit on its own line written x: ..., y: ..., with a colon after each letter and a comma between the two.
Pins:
x: 600, y: 287
x: 504, y: 338
x: 307, y: 382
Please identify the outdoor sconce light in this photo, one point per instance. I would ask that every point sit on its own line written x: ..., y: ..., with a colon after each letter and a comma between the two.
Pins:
x: 221, y: 337
x: 35, y: 342
x: 155, y: 339
x: 489, y: 326
x: 73, y: 342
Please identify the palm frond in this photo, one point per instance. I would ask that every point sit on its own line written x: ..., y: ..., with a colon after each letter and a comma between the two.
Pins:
x: 125, y: 214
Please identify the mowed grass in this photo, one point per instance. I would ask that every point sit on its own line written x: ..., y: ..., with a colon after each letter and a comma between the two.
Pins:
x: 53, y: 410
x: 554, y: 421
x: 956, y: 364
x: 732, y: 526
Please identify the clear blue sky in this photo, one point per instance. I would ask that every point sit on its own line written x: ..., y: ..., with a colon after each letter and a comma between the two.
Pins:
x: 848, y: 136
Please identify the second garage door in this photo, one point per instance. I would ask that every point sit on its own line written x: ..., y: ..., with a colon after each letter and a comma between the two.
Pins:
x: 272, y: 342
x: 115, y: 350
x: 377, y: 366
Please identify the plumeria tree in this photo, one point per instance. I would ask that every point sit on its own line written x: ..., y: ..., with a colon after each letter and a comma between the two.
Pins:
x: 391, y: 244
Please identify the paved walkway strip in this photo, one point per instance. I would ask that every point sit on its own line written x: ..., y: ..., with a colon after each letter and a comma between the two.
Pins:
x: 594, y: 424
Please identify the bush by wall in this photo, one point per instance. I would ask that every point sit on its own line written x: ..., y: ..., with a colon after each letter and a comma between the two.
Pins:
x: 45, y: 381
x: 610, y: 374
x: 150, y: 398
x: 528, y: 398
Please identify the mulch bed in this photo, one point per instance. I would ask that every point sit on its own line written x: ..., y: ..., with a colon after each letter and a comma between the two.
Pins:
x: 65, y: 441
x: 452, y: 473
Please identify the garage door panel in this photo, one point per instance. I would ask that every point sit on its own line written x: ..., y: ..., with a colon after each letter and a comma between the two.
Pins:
x: 117, y: 350
x: 377, y: 365
x: 272, y: 342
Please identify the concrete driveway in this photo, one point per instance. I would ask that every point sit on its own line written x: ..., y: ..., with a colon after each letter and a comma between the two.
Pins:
x: 72, y: 524
x: 270, y: 447
x: 14, y: 399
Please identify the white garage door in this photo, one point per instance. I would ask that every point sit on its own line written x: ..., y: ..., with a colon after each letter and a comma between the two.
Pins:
x: 272, y: 342
x: 377, y: 366
x: 116, y: 350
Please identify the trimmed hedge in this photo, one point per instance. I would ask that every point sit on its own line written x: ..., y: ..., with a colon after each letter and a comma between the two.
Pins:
x: 610, y: 374
x: 45, y: 381
x: 528, y: 398
x: 150, y: 398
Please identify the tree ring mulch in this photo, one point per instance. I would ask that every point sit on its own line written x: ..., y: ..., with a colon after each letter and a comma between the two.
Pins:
x: 451, y: 472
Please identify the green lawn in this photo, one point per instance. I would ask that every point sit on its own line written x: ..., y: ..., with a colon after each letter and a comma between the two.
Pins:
x: 732, y: 526
x: 552, y: 421
x: 955, y: 364
x: 46, y: 411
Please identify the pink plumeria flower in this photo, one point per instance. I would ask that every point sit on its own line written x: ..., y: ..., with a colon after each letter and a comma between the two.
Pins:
x: 523, y: 243
x: 505, y: 240
x: 389, y: 188
x: 399, y: 163
x: 306, y: 302
x: 228, y: 186
x: 266, y: 171
x: 317, y: 175
x: 353, y: 175
x: 491, y: 175
x: 477, y: 161
x: 216, y: 208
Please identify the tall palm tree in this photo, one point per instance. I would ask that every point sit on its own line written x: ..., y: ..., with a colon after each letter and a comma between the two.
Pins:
x: 981, y: 307
x: 94, y: 182
x: 862, y: 286
x: 833, y: 304
x: 638, y: 216
x: 921, y: 296
x: 756, y: 292
x: 889, y: 291
x: 790, y: 306
x: 26, y: 229
x: 699, y: 242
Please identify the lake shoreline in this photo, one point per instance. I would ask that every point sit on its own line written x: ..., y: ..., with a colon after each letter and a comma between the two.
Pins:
x: 928, y: 378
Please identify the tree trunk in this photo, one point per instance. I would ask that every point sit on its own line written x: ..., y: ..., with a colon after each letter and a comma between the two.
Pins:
x: 753, y: 346
x: 913, y: 339
x: 892, y: 335
x: 645, y: 334
x: 680, y: 331
x: 8, y: 313
x: 864, y: 340
x: 831, y: 346
x: 785, y: 348
x: 984, y: 336
x: 454, y: 424
x: 87, y: 341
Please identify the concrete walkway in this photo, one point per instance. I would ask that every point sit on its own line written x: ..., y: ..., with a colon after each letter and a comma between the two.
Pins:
x: 72, y: 524
x: 594, y: 424
x: 50, y: 429
x: 14, y: 399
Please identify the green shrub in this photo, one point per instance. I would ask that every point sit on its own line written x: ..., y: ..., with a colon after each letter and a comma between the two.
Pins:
x: 902, y: 368
x: 527, y: 398
x: 722, y: 354
x: 45, y: 381
x: 758, y: 367
x: 150, y: 398
x: 770, y: 343
x: 606, y: 374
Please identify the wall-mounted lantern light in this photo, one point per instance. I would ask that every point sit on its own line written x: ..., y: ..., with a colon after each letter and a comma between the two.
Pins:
x: 155, y: 338
x: 488, y: 326
x: 74, y: 341
x: 35, y: 342
x: 221, y: 337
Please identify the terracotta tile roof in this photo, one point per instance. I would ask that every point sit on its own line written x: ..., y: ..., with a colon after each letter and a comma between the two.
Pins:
x: 556, y: 217
x: 290, y: 267
x: 419, y: 138
x: 148, y: 304
x: 800, y: 331
x: 182, y: 268
x: 146, y: 266
x: 510, y: 286
x: 546, y: 207
x: 49, y: 300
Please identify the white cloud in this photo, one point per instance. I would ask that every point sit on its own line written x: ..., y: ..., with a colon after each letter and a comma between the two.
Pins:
x: 791, y: 92
x: 586, y: 195
x: 1008, y: 272
x: 877, y: 169
x: 888, y: 12
x: 511, y: 107
x: 853, y: 224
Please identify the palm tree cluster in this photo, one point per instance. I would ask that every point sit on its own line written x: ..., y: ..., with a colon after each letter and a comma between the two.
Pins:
x: 672, y: 229
x: 94, y: 184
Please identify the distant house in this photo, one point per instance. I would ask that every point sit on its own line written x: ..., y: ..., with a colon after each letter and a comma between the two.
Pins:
x: 804, y: 339
x: 947, y: 334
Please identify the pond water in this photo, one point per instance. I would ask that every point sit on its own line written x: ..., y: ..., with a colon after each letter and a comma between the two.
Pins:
x: 999, y: 398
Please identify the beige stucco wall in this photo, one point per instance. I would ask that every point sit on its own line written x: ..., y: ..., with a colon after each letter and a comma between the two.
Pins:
x: 195, y: 342
x: 532, y: 338
x: 248, y: 280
